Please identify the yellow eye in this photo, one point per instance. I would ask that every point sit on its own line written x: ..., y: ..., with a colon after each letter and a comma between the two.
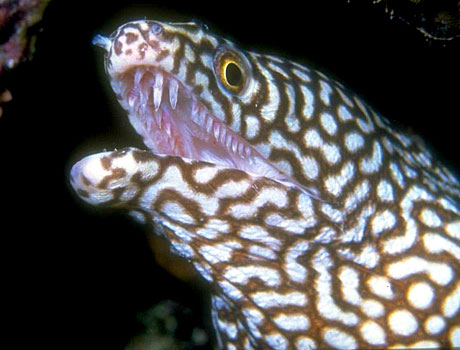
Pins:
x: 231, y: 71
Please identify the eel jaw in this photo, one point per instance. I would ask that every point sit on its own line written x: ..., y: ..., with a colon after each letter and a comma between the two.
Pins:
x: 173, y: 121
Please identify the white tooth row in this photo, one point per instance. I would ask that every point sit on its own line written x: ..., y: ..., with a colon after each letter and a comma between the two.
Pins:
x: 157, y: 83
x: 219, y: 131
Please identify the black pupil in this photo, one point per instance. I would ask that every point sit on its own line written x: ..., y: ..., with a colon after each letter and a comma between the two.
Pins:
x: 233, y: 75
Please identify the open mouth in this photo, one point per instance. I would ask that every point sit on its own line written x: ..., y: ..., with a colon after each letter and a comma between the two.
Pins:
x: 173, y: 121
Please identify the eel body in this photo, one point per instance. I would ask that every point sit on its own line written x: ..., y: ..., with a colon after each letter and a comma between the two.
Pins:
x: 316, y: 223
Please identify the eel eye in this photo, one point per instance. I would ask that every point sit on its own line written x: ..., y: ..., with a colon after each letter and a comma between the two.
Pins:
x: 231, y: 70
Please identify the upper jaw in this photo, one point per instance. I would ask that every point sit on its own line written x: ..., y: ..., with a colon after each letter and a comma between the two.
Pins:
x: 173, y: 121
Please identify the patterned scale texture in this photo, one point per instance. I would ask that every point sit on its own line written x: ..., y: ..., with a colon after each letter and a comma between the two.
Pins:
x: 316, y: 222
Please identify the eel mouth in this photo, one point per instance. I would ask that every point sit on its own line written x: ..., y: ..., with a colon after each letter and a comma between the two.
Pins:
x: 173, y: 121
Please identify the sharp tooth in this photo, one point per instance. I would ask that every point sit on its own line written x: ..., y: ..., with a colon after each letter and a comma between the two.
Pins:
x: 208, y: 124
x: 157, y: 91
x: 217, y: 128
x: 137, y: 77
x: 173, y: 88
x: 144, y: 99
x: 167, y: 128
x: 131, y: 100
x: 158, y: 118
x: 228, y: 141
x: 234, y: 145
x: 241, y: 149
x: 195, y: 112
x: 247, y: 151
x: 223, y: 134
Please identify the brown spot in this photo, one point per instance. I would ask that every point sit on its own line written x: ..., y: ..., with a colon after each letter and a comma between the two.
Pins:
x: 143, y: 156
x: 162, y: 54
x: 116, y: 174
x: 118, y: 47
x: 131, y: 37
x: 141, y: 49
x: 154, y: 44
x: 129, y: 52
x: 106, y: 163
x: 85, y: 180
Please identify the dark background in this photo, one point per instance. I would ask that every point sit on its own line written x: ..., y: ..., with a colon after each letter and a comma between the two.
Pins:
x: 76, y: 277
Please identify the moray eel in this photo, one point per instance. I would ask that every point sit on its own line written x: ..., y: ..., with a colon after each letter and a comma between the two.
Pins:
x: 315, y: 222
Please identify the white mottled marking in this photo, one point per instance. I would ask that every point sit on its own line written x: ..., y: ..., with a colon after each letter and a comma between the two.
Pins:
x: 309, y: 165
x: 268, y: 111
x: 252, y: 126
x: 359, y: 193
x: 309, y: 99
x: 254, y: 318
x: 332, y: 213
x: 380, y: 286
x: 356, y: 233
x: 325, y: 92
x: 402, y: 322
x: 331, y: 153
x: 339, y: 339
x: 396, y: 174
x: 420, y: 295
x: 368, y: 255
x: 439, y: 273
x: 383, y: 221
x: 344, y: 113
x: 305, y: 343
x: 204, y: 271
x: 296, y: 271
x: 172, y: 178
x: 453, y: 229
x: 354, y: 142
x: 403, y: 242
x: 385, y: 191
x: 454, y: 336
x: 176, y: 212
x: 326, y: 305
x: 292, y: 322
x: 221, y: 252
x: 230, y: 290
x: 278, y: 69
x: 205, y: 174
x: 276, y: 341
x: 328, y: 123
x: 335, y: 184
x: 349, y: 279
x: 267, y: 300
x: 183, y: 249
x: 301, y: 75
x: 435, y: 243
x: 232, y: 189
x: 292, y: 123
x: 372, y: 308
x: 242, y: 274
x: 451, y: 304
x: 373, y: 333
x: 262, y: 252
x: 266, y: 195
x: 365, y: 126
x: 313, y: 139
x: 435, y: 324
x: 372, y: 164
x: 213, y: 228
x: 258, y: 234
